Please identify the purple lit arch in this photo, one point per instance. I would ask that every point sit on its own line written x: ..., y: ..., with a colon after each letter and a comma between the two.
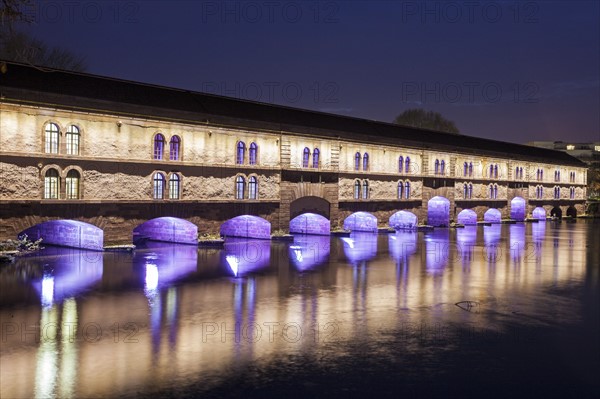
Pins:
x: 517, y: 209
x: 361, y: 221
x: 67, y: 233
x: 467, y: 217
x: 167, y: 229
x: 403, y: 220
x: 247, y: 226
x: 492, y: 215
x: 310, y: 223
x: 539, y: 213
x: 438, y: 211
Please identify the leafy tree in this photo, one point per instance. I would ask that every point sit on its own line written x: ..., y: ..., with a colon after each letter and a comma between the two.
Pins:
x: 19, y: 46
x: 418, y: 117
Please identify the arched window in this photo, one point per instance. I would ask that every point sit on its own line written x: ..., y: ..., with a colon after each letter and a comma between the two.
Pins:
x: 159, y: 146
x: 356, y: 189
x: 51, y: 139
x: 521, y: 172
x: 72, y: 184
x: 357, y: 161
x: 240, y: 153
x: 465, y: 191
x: 442, y: 167
x: 174, y: 186
x: 516, y: 173
x: 240, y: 185
x: 470, y: 169
x: 305, y: 157
x: 72, y: 139
x: 400, y: 190
x: 407, y: 165
x: 316, y: 154
x: 407, y: 190
x: 437, y: 167
x: 365, y: 189
x: 541, y: 194
x: 542, y: 174
x: 491, y: 171
x: 252, y: 188
x: 495, y: 171
x: 558, y: 176
x: 366, y: 162
x: 557, y: 193
x: 491, y: 191
x: 400, y: 164
x: 572, y: 193
x: 174, y: 146
x: 252, y: 153
x: 51, y: 184
x: 466, y: 169
x: 495, y: 191
x: 470, y: 191
x: 159, y: 186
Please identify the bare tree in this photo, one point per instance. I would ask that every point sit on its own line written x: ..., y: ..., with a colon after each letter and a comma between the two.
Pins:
x: 418, y: 117
x: 18, y: 46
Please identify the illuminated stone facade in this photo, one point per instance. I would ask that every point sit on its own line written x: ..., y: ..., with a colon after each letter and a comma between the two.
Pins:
x: 117, y: 164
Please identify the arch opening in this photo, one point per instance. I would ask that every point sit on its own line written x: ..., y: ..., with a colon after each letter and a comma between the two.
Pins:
x: 492, y: 215
x: 468, y: 217
x: 166, y: 229
x: 310, y: 223
x: 403, y: 220
x: 539, y: 213
x: 517, y: 209
x: 361, y: 221
x: 556, y: 212
x: 438, y: 212
x: 309, y: 204
x: 67, y: 233
x: 572, y: 212
x: 247, y: 226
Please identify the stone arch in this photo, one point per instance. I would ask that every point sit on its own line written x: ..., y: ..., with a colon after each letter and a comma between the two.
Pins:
x: 492, y: 215
x: 167, y: 229
x: 361, y: 221
x: 517, y: 209
x: 310, y: 204
x: 467, y: 217
x: 438, y: 211
x: 403, y: 220
x: 310, y: 223
x: 572, y: 212
x: 556, y: 212
x: 539, y: 213
x: 247, y: 226
x: 67, y: 233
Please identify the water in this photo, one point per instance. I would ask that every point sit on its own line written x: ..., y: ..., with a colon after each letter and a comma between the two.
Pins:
x: 503, y: 310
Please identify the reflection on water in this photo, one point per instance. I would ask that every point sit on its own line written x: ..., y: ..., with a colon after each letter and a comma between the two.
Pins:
x: 81, y: 324
x: 309, y: 251
x: 244, y: 256
x: 360, y: 247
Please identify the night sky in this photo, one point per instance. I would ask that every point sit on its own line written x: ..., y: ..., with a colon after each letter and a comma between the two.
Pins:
x: 515, y: 71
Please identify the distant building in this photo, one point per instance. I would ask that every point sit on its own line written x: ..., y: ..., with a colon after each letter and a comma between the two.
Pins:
x: 586, y: 152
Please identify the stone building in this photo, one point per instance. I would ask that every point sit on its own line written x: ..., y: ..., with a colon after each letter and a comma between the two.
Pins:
x: 116, y: 154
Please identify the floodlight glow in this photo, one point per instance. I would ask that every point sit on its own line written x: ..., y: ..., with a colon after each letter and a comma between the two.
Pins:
x: 247, y: 226
x: 167, y: 229
x: 67, y: 233
x: 403, y: 220
x: 539, y: 213
x: 467, y: 217
x: 492, y: 216
x: 517, y: 209
x: 47, y: 291
x: 361, y: 221
x: 438, y: 212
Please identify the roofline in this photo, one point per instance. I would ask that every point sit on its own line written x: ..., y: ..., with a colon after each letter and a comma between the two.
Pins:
x: 573, y: 161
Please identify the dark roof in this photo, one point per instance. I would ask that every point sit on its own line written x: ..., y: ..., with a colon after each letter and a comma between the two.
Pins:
x: 24, y: 83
